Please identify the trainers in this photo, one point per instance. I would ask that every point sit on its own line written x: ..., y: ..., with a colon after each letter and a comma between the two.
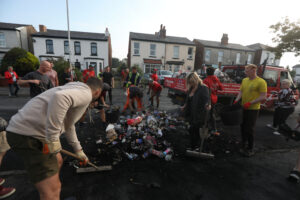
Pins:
x: 6, y: 192
x: 249, y: 153
x: 272, y: 127
x: 276, y: 133
x: 294, y: 176
x: 2, y: 180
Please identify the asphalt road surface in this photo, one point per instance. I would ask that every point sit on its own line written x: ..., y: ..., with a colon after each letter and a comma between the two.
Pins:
x: 228, y: 176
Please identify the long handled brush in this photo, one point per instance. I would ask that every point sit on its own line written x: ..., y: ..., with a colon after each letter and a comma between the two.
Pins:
x: 203, y: 135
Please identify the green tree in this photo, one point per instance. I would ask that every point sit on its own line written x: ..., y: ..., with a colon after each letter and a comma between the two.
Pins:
x: 60, y: 65
x: 22, y: 61
x: 287, y: 37
x: 116, y: 63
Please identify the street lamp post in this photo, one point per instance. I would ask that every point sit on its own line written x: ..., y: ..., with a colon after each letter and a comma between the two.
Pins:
x: 69, y: 36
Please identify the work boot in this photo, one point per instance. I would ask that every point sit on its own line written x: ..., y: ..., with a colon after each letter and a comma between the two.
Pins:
x: 6, y: 192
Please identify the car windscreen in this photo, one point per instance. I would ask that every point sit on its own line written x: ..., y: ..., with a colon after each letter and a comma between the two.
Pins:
x: 166, y: 73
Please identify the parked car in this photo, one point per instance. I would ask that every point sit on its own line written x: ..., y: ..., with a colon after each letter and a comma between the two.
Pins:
x: 162, y: 74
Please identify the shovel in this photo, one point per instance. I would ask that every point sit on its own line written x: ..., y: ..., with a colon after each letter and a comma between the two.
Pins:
x: 203, y: 135
x: 94, y: 168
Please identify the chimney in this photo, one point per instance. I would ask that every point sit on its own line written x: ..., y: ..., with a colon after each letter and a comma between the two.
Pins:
x: 106, y: 32
x: 43, y: 28
x: 162, y: 31
x: 224, y: 40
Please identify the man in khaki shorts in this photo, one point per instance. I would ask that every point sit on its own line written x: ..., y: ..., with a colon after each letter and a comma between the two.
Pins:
x: 4, y: 147
x: 33, y: 133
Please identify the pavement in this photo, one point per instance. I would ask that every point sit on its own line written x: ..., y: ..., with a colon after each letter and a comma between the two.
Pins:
x: 228, y: 176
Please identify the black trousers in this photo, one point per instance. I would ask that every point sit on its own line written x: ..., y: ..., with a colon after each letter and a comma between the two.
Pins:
x: 195, y: 135
x: 109, y: 95
x: 247, y: 127
x: 281, y: 114
x: 212, y: 118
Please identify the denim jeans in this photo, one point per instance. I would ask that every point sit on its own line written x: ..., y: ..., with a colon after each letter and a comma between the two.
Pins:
x: 11, y: 90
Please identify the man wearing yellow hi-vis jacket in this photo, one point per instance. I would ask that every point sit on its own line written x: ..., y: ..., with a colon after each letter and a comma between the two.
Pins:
x: 33, y: 133
x: 133, y: 78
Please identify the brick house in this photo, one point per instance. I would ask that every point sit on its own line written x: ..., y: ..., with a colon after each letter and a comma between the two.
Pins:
x: 211, y: 53
x: 262, y: 53
x: 160, y: 51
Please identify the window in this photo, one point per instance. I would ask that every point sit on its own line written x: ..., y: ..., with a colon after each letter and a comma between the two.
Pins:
x: 152, y: 49
x: 2, y: 40
x: 66, y: 47
x: 271, y: 77
x: 149, y: 68
x: 238, y: 58
x: 170, y: 67
x: 190, y: 53
x: 136, y: 50
x: 49, y: 46
x: 176, y: 52
x: 220, y: 56
x: 207, y: 55
x: 77, y: 48
x: 94, y: 49
x: 249, y: 60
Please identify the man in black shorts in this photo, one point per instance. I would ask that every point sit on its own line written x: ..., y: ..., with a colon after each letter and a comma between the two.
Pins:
x: 108, y: 78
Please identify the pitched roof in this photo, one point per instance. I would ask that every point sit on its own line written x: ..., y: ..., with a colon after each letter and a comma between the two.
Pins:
x: 216, y: 44
x: 156, y: 38
x: 296, y: 66
x: 74, y: 35
x: 10, y: 26
x: 258, y: 46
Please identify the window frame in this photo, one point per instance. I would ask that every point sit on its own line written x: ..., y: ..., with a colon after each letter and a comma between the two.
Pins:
x: 3, y: 40
x: 190, y: 55
x: 77, y: 42
x: 238, y: 58
x: 207, y: 55
x: 66, y: 46
x: 220, y: 60
x: 136, y: 49
x: 249, y: 58
x: 95, y: 47
x: 174, y: 56
x: 49, y: 46
x: 153, y: 50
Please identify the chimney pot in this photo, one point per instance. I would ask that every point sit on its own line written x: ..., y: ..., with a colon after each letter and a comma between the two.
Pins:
x: 224, y: 40
x: 42, y: 28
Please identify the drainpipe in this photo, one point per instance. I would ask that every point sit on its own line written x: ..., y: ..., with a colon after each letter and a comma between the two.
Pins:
x: 20, y: 37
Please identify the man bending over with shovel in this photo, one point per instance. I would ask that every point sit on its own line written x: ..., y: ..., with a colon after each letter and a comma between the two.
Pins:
x: 33, y: 133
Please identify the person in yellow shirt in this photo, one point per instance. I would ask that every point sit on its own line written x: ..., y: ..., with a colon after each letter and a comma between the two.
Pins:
x: 253, y: 91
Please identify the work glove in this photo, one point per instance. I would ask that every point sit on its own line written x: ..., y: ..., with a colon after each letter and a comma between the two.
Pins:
x: 51, y: 147
x: 83, y: 157
x: 247, y: 105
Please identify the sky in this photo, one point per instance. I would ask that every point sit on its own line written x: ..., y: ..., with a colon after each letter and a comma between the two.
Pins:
x: 245, y: 22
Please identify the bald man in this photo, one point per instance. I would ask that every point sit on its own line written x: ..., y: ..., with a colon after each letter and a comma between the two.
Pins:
x: 38, y: 80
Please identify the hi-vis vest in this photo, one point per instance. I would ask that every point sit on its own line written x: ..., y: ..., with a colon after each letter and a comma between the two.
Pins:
x: 99, y: 75
x: 135, y: 79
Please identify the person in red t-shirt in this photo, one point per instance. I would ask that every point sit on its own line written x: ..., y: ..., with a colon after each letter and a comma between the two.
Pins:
x: 214, y: 84
x: 87, y: 73
x: 156, y: 89
x: 154, y: 75
x: 12, y: 78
